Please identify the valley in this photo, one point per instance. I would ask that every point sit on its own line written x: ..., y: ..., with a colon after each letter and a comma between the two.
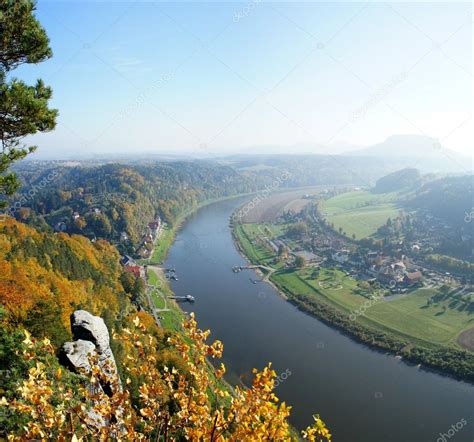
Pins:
x: 382, y: 293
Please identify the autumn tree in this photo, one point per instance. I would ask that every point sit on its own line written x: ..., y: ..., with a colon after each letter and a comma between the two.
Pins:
x: 23, y: 108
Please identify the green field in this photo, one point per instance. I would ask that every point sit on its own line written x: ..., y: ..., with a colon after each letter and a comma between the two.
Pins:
x: 257, y: 253
x: 407, y: 316
x: 360, y: 213
x: 173, y: 318
x: 163, y: 244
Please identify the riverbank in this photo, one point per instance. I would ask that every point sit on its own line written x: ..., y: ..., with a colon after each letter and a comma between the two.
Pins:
x: 170, y: 311
x: 450, y: 361
x: 239, y: 248
x: 168, y: 233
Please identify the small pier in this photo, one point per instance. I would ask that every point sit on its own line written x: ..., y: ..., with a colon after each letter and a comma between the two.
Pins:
x: 187, y: 298
x: 171, y: 274
x: 269, y: 270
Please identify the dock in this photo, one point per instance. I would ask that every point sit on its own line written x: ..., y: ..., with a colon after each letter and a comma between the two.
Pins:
x: 270, y: 270
x: 187, y: 298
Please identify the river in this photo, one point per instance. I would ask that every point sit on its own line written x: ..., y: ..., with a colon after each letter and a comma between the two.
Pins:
x: 362, y: 395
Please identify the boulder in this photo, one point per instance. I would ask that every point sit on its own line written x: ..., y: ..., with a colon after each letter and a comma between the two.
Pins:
x: 77, y: 353
x: 90, y: 328
x: 91, y: 337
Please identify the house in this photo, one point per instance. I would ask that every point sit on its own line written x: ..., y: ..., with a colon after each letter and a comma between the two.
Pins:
x: 148, y: 237
x: 133, y: 269
x: 154, y: 225
x: 127, y: 261
x: 143, y: 252
x: 341, y: 257
x: 75, y: 215
x: 398, y: 266
x: 386, y: 277
x: 372, y: 257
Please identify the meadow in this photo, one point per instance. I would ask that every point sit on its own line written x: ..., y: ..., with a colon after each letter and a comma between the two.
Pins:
x: 360, y: 213
x: 408, y: 316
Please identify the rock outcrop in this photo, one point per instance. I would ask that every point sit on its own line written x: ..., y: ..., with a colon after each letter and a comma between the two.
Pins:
x: 77, y: 354
x: 91, y: 341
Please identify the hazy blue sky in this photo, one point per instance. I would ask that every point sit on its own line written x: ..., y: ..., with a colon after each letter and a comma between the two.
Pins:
x: 143, y: 76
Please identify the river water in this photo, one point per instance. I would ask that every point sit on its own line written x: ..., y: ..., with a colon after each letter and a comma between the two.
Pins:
x: 361, y: 394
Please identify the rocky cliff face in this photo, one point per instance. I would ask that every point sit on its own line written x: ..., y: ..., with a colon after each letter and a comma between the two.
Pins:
x: 91, y: 343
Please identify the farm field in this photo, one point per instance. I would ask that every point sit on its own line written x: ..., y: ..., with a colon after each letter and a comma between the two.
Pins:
x: 360, y: 213
x: 411, y: 315
x: 268, y: 209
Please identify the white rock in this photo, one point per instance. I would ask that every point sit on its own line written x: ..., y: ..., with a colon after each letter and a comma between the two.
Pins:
x: 77, y: 353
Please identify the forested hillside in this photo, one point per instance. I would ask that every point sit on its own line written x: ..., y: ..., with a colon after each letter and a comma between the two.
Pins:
x: 45, y: 277
x: 116, y: 202
x: 311, y: 170
x: 405, y: 179
x: 451, y: 199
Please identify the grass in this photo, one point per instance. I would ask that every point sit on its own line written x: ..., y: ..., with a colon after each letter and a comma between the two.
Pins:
x: 360, y: 213
x: 255, y: 250
x: 171, y: 319
x: 411, y: 315
x: 408, y: 316
x: 163, y: 244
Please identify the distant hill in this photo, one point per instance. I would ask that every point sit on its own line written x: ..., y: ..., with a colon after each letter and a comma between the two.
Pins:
x: 310, y: 170
x: 300, y: 149
x: 402, y: 179
x: 417, y: 151
x: 450, y: 199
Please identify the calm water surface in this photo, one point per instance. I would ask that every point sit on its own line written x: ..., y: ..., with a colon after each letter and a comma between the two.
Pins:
x: 363, y: 395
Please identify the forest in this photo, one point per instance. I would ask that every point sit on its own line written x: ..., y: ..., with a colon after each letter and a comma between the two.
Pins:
x: 115, y: 202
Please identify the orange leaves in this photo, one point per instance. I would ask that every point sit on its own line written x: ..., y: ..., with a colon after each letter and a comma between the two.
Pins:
x: 37, y: 266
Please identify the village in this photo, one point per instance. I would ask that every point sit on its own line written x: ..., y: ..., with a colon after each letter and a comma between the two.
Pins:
x: 317, y: 245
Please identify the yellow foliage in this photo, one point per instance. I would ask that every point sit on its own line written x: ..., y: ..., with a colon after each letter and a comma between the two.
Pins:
x: 248, y: 414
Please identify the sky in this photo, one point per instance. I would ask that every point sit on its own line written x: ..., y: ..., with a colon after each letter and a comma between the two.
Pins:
x: 222, y: 77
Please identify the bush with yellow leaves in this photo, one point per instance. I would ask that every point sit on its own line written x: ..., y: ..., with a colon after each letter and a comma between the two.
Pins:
x: 154, y: 404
